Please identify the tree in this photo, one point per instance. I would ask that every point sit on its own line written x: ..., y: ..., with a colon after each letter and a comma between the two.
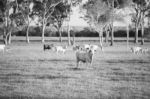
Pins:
x: 141, y: 8
x: 59, y: 14
x: 25, y: 8
x: 6, y: 10
x: 126, y: 18
x: 71, y: 3
x: 98, y: 15
x: 115, y: 5
x: 44, y: 9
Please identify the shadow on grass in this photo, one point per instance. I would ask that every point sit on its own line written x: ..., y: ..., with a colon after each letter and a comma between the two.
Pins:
x: 121, y: 76
x: 48, y: 60
x: 25, y: 97
x: 52, y: 77
x: 76, y: 69
x: 31, y: 76
x: 55, y: 60
x: 127, y: 61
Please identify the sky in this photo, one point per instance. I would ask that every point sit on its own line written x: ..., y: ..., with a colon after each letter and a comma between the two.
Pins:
x: 75, y: 18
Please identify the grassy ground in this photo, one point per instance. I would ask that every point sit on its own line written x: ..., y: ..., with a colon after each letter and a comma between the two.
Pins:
x: 27, y: 72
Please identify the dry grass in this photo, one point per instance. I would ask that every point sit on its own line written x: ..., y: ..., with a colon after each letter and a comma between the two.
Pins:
x: 27, y: 72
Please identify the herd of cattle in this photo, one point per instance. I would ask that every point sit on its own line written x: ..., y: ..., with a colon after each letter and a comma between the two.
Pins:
x: 137, y: 50
x: 84, y: 52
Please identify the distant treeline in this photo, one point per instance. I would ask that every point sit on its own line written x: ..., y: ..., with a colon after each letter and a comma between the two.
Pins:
x: 85, y: 32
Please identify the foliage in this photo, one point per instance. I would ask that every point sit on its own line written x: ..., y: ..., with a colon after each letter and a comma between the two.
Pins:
x: 59, y: 14
x: 142, y: 9
x: 97, y: 13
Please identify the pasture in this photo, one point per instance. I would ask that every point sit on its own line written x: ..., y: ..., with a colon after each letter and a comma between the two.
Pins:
x: 27, y: 72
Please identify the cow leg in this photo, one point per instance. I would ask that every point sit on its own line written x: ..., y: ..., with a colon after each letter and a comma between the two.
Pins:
x: 77, y: 64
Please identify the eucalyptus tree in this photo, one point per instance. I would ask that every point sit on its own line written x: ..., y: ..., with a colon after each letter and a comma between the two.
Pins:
x: 25, y: 7
x: 16, y: 24
x: 58, y: 16
x: 6, y: 11
x: 98, y: 15
x: 142, y: 7
x: 125, y: 17
x: 102, y: 14
x: 114, y: 5
x: 71, y: 3
x: 44, y: 9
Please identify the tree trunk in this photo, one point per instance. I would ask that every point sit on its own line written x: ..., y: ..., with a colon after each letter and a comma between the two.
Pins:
x: 112, y: 26
x: 27, y: 34
x: 101, y: 39
x: 43, y: 32
x: 148, y: 21
x: 142, y: 35
x: 68, y: 31
x: 107, y: 36
x: 112, y: 36
x: 5, y: 39
x: 68, y: 23
x: 60, y: 36
x: 127, y: 29
x: 9, y: 38
x: 74, y: 41
x: 5, y: 36
x: 136, y: 35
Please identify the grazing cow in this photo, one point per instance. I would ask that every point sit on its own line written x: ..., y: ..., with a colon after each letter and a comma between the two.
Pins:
x: 2, y: 47
x: 136, y: 50
x: 60, y: 49
x: 48, y: 47
x: 144, y: 50
x: 84, y: 56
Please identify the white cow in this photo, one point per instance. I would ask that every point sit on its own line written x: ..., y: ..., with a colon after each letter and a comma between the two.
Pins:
x: 2, y: 47
x: 144, y: 50
x: 60, y: 49
x: 136, y: 50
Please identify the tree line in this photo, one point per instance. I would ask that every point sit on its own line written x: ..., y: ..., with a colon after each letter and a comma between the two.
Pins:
x: 101, y: 14
x: 17, y: 15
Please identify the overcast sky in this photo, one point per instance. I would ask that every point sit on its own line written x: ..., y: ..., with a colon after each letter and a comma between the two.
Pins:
x: 75, y: 17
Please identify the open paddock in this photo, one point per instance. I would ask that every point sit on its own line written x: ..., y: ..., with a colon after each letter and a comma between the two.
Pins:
x: 27, y: 72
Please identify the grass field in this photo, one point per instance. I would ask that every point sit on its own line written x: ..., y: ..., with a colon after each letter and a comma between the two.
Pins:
x: 27, y: 72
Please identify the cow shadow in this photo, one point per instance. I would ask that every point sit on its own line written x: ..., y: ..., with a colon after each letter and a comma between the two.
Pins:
x: 52, y: 77
x: 34, y: 76
x: 54, y: 60
x: 127, y: 61
x: 76, y: 69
